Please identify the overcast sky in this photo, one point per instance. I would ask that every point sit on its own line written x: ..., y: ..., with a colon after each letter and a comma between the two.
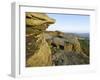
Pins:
x: 70, y: 23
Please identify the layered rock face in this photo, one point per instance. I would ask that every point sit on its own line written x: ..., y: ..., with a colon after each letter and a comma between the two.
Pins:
x: 66, y: 49
x: 38, y: 52
x: 66, y: 42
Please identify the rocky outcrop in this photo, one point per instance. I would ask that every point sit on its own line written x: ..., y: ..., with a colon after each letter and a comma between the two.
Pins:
x: 68, y: 42
x: 38, y: 52
x: 66, y: 49
x: 46, y: 48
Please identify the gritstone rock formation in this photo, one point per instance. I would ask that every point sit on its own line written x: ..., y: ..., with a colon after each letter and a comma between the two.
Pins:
x: 38, y: 52
x: 66, y: 49
x: 47, y: 48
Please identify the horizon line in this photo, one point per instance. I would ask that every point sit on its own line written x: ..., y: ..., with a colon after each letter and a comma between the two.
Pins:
x: 68, y: 31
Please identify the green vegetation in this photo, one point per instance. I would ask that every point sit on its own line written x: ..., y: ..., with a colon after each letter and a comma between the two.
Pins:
x: 85, y: 46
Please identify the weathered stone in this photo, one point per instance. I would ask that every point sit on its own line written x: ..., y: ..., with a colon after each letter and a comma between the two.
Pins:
x: 36, y: 19
x: 38, y: 52
x: 66, y: 49
x: 41, y: 56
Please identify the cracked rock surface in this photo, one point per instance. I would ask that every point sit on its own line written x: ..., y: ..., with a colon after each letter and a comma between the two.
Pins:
x: 38, y: 52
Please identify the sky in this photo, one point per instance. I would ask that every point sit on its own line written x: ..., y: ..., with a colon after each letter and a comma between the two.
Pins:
x: 70, y: 23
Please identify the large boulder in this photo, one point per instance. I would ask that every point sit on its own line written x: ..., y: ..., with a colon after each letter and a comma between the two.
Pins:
x: 38, y: 52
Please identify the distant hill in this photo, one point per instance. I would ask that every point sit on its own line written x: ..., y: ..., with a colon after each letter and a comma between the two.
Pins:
x: 84, y: 35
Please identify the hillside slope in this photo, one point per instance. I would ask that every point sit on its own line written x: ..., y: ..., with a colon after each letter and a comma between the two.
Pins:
x: 66, y: 48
